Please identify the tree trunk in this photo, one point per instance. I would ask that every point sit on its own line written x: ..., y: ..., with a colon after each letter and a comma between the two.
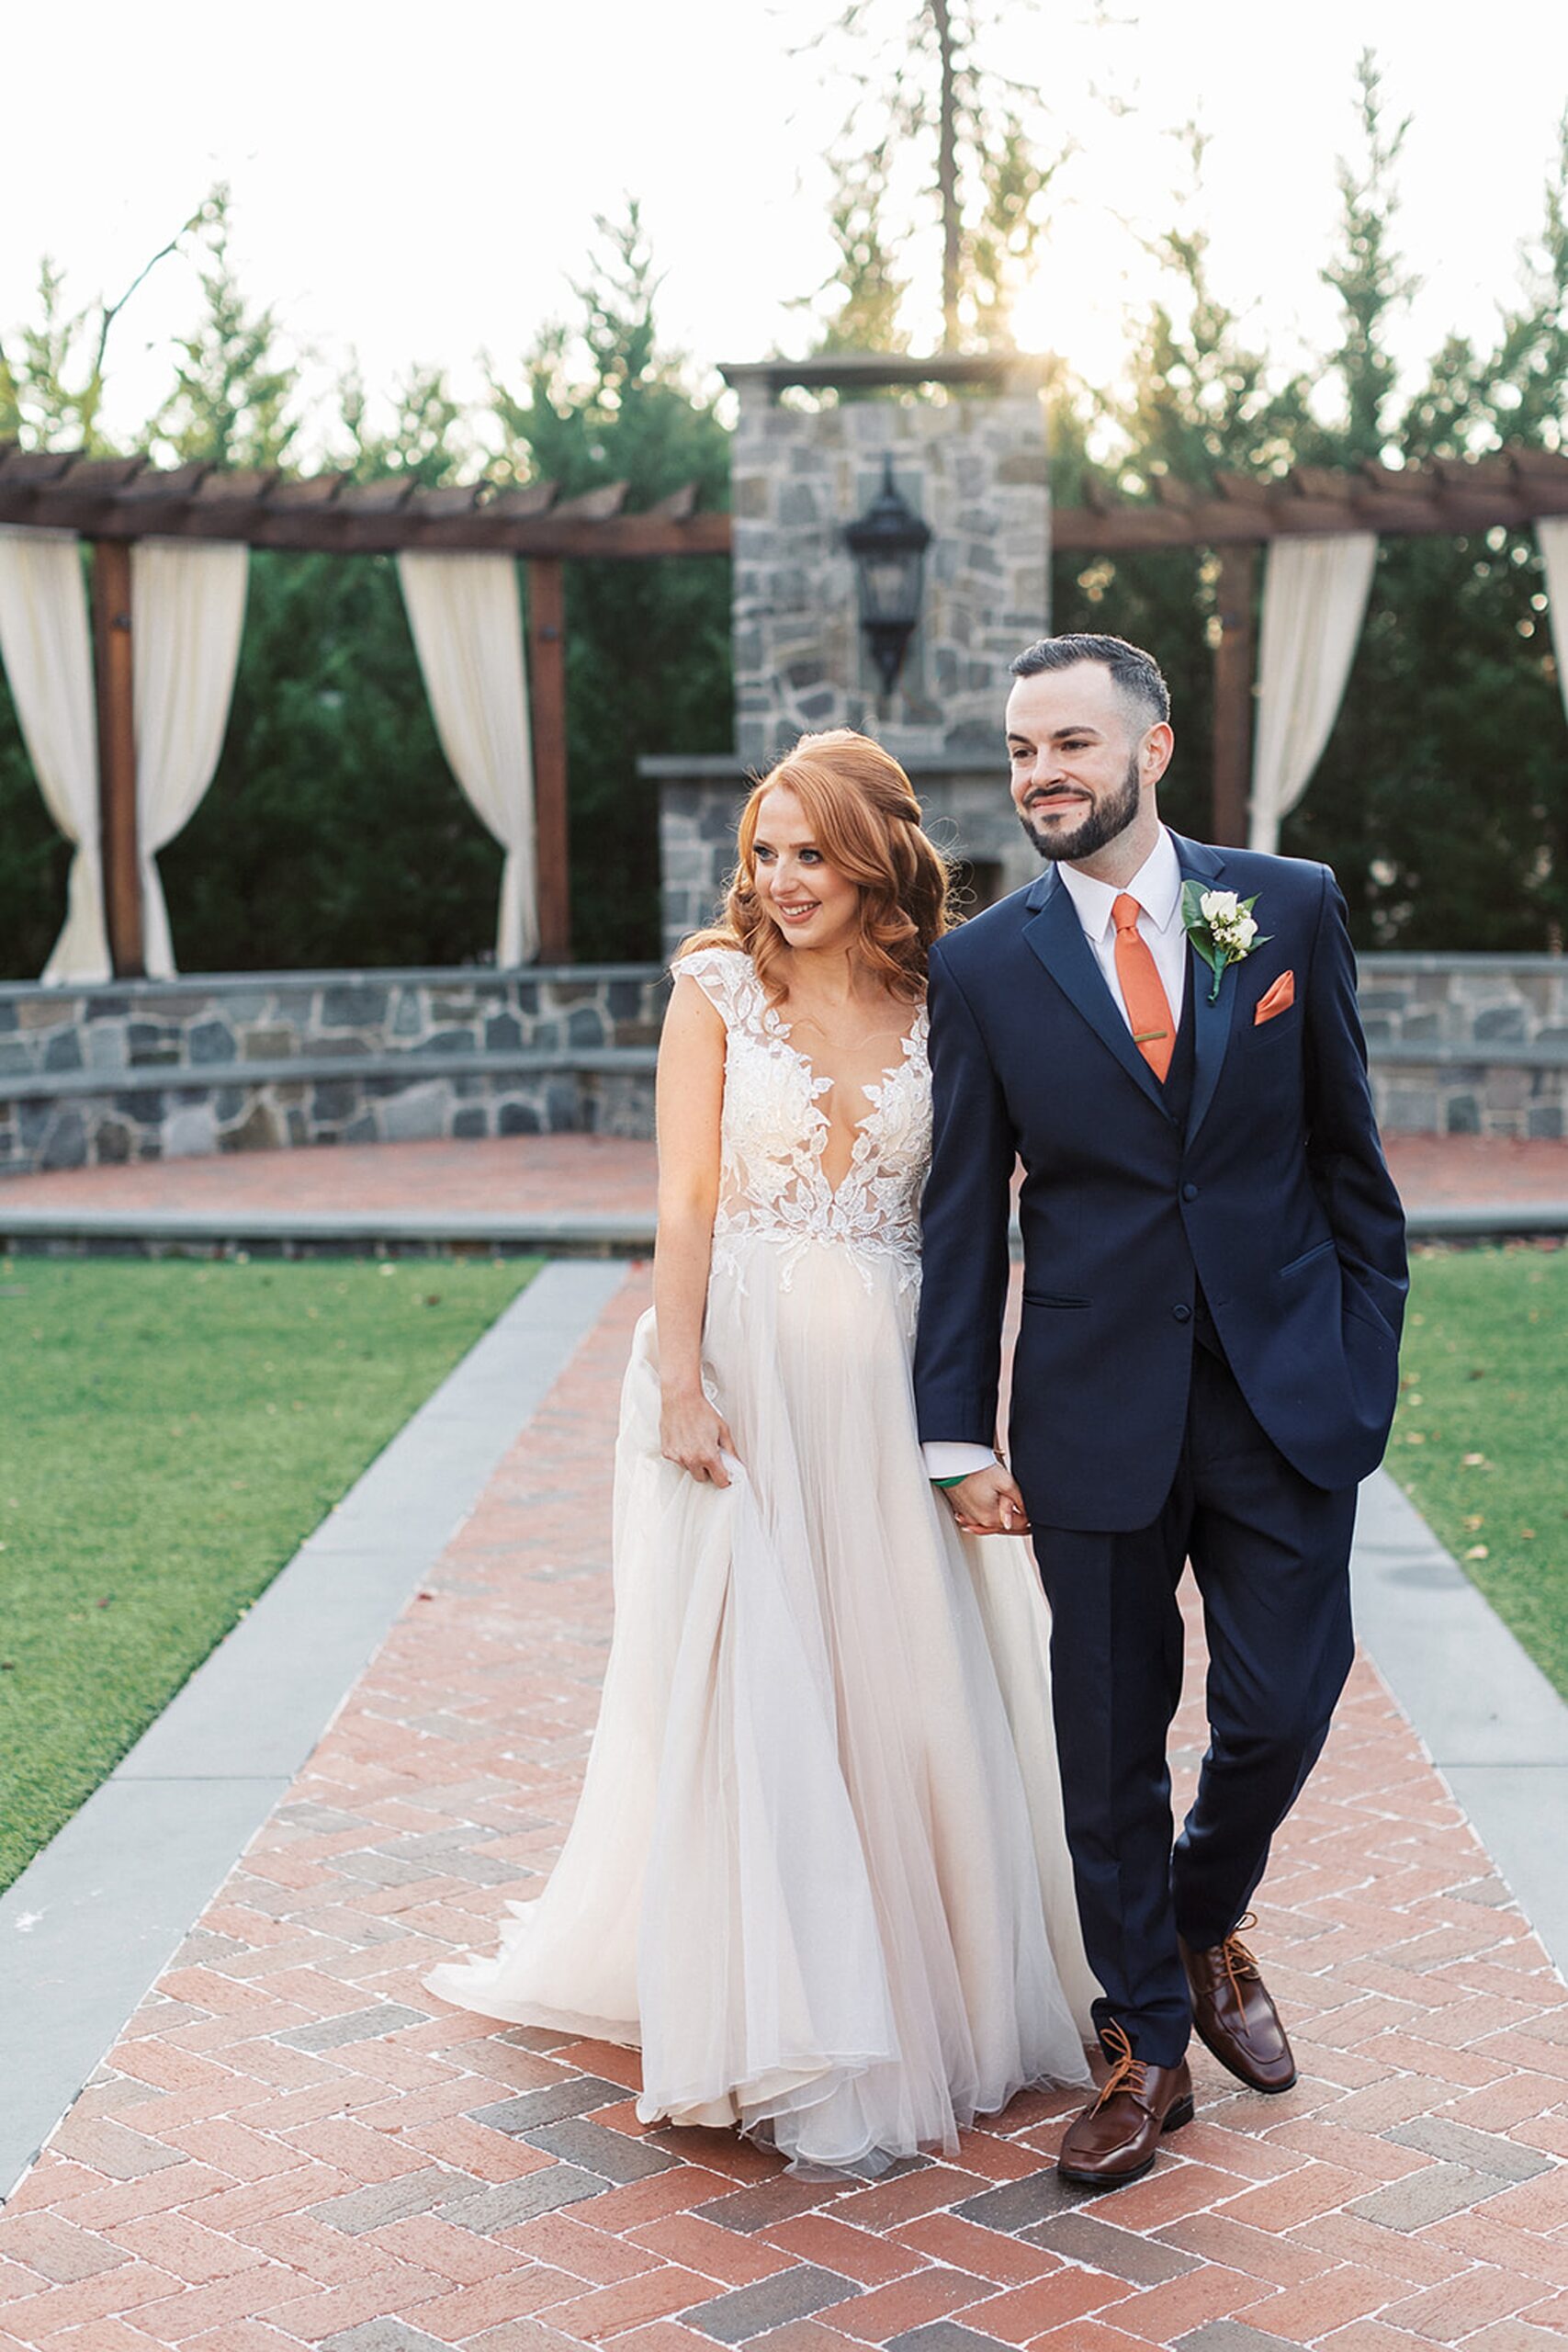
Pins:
x: 947, y: 171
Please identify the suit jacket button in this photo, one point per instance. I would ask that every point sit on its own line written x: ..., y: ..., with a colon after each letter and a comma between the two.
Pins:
x: 1182, y: 1314
x: 1190, y: 1192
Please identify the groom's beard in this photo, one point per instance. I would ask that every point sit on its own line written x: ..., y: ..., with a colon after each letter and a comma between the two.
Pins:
x: 1101, y: 825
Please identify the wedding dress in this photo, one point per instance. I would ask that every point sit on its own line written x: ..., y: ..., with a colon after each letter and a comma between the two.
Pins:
x: 818, y: 1868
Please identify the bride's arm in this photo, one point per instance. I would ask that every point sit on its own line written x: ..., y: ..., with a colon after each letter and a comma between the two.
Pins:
x: 689, y: 1099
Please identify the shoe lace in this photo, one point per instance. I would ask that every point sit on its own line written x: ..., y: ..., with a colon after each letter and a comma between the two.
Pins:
x: 1240, y: 1965
x: 1127, y: 2072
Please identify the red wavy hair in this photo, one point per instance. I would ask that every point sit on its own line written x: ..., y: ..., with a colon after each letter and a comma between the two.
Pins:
x: 865, y: 820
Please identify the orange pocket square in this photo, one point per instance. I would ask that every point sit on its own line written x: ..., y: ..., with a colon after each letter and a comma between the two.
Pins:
x: 1279, y: 999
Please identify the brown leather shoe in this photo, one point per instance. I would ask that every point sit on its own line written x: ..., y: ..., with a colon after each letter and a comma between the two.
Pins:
x: 1233, y: 2015
x: 1115, y: 2139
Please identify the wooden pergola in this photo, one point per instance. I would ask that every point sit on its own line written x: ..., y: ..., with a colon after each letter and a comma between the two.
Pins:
x: 111, y: 502
x: 1446, y: 500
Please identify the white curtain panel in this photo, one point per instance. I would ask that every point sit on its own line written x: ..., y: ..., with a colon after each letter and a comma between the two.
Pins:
x: 1551, y: 538
x: 188, y: 610
x: 1314, y: 598
x: 467, y: 619
x: 47, y: 652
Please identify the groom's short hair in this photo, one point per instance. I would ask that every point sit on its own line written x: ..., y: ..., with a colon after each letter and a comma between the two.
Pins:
x: 1135, y: 673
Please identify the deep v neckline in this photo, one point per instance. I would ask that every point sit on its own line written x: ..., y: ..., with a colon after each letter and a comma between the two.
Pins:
x: 780, y: 1031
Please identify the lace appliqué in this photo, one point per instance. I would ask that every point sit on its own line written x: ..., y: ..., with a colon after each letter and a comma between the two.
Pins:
x: 773, y: 1136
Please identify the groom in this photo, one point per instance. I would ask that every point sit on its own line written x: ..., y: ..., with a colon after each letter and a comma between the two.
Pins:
x: 1213, y: 1283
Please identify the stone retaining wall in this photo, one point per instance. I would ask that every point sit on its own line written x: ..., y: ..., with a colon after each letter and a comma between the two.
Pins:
x: 149, y: 1069
x: 1468, y: 1045
x: 1460, y: 1045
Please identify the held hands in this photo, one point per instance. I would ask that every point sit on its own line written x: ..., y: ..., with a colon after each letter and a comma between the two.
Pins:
x: 988, y: 1503
x: 691, y: 1432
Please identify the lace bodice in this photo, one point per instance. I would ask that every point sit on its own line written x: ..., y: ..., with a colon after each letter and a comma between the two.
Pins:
x: 773, y: 1185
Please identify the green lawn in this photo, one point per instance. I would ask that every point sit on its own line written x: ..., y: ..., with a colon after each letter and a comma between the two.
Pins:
x: 169, y: 1433
x: 1480, y: 1441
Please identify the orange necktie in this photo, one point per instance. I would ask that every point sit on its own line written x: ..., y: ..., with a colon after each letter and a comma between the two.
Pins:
x: 1154, y: 1032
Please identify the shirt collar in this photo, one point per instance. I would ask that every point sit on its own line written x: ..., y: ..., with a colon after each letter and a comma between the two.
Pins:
x: 1157, y: 886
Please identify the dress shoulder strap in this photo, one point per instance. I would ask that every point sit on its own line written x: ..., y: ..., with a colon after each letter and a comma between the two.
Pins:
x: 728, y: 977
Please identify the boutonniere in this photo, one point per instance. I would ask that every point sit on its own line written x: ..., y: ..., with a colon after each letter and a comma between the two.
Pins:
x: 1221, y: 927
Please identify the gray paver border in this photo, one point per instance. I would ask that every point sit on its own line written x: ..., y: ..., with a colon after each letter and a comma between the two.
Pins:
x: 96, y: 1917
x: 1490, y: 1721
x: 612, y: 1231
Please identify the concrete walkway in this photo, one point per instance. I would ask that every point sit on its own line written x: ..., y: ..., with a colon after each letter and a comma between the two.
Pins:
x: 292, y: 2143
x: 591, y: 1193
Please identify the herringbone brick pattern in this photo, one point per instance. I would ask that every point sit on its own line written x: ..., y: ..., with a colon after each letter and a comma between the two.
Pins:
x: 294, y: 2144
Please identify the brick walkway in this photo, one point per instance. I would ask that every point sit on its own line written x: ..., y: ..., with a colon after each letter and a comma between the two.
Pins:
x: 615, y: 1174
x: 608, y: 1173
x: 293, y: 2145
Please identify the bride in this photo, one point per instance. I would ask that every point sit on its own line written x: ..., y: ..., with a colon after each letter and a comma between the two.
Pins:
x: 818, y: 1868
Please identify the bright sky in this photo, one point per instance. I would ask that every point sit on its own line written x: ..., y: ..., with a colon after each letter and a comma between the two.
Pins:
x: 419, y: 183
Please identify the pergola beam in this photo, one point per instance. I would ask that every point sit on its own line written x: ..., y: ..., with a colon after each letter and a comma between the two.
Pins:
x: 1447, y: 501
x: 125, y: 498
x: 114, y: 500
x: 325, y: 513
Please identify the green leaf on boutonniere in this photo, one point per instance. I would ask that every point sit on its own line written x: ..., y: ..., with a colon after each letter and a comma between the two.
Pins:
x: 1196, y: 926
x: 1201, y: 929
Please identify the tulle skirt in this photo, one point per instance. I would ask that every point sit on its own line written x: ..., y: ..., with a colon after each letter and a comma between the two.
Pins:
x: 817, y: 1870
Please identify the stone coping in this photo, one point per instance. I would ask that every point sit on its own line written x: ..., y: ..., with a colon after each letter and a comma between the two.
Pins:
x: 654, y: 765
x: 1458, y: 959
x: 456, y: 976
x: 205, y: 1078
x: 131, y: 1872
x: 832, y: 371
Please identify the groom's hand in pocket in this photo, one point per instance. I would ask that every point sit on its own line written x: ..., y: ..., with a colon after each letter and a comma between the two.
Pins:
x: 988, y: 1502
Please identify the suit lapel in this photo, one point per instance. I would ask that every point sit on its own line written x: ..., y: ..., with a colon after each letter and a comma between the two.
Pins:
x: 1056, y: 937
x: 1212, y: 1022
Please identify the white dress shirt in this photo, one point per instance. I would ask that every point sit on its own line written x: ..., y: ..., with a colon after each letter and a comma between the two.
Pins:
x: 1157, y: 886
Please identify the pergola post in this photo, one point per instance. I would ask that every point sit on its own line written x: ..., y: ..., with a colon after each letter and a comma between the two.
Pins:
x: 1235, y: 672
x: 117, y: 756
x: 547, y: 683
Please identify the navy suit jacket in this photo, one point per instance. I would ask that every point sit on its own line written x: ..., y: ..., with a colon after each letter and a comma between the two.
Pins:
x: 1273, y: 1197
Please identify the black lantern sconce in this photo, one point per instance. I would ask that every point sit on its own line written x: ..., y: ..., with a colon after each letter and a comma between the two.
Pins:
x: 888, y: 543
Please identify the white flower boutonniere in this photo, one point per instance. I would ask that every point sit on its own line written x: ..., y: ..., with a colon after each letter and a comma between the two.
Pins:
x: 1221, y: 927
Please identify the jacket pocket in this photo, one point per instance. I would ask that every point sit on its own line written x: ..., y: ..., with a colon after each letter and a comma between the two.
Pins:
x: 1050, y: 1298
x: 1308, y: 1256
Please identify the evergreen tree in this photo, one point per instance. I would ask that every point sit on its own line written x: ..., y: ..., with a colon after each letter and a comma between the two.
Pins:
x: 232, y: 389
x: 334, y: 832
x: 865, y: 279
x: 929, y: 101
x: 648, y: 644
x: 426, y: 440
x: 53, y: 372
x: 1442, y: 797
x: 1366, y: 275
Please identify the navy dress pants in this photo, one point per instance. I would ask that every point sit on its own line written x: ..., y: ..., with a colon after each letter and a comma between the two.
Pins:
x: 1270, y: 1553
